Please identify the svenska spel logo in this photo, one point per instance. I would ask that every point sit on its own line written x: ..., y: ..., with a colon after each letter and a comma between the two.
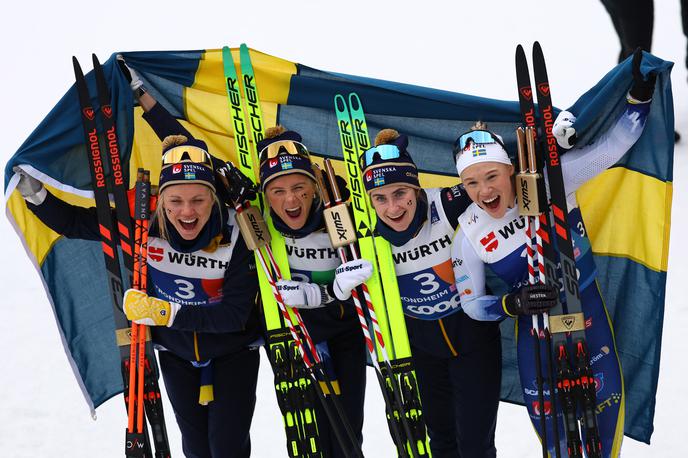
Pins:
x: 176, y: 168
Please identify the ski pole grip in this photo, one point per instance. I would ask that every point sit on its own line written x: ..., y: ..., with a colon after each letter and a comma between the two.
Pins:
x: 321, y: 185
x: 253, y: 228
x: 529, y: 183
x: 338, y: 222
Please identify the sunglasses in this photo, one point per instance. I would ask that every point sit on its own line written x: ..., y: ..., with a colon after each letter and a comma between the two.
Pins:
x: 283, y: 147
x: 186, y: 153
x: 378, y: 153
x: 474, y: 137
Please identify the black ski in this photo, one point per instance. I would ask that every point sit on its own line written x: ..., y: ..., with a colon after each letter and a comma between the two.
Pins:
x: 108, y: 227
x: 152, y: 396
x: 584, y: 382
x: 575, y: 384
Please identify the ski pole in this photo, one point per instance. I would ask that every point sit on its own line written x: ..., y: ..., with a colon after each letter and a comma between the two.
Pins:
x: 341, y: 231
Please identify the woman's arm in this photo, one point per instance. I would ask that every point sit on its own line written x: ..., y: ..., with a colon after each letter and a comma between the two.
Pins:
x: 582, y: 164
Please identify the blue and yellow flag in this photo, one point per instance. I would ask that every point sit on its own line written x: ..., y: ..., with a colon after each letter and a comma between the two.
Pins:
x: 626, y: 209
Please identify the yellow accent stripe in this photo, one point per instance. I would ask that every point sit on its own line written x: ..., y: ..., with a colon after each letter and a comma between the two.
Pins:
x: 504, y: 307
x: 628, y: 214
x: 196, y: 352
x: 446, y: 338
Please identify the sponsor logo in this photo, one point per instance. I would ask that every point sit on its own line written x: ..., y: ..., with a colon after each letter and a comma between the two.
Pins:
x: 604, y: 351
x: 369, y: 176
x: 510, y: 229
x: 457, y: 262
x: 155, y: 253
x: 462, y: 278
x: 311, y: 253
x: 273, y: 163
x: 107, y: 111
x: 526, y: 92
x: 434, y: 216
x: 588, y: 323
x: 89, y: 113
x: 490, y: 242
x: 193, y: 260
x: 615, y: 398
x: 465, y: 292
x: 473, y: 219
x: 422, y: 251
x: 536, y: 408
x: 176, y: 168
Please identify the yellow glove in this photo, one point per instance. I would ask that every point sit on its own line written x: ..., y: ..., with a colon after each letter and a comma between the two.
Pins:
x: 143, y: 309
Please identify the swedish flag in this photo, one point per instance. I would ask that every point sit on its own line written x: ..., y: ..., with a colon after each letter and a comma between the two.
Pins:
x: 626, y: 209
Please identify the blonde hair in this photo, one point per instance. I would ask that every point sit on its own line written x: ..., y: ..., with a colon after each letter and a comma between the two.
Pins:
x: 159, y: 214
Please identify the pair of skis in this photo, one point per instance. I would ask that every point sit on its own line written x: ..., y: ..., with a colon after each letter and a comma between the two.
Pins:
x: 108, y: 174
x: 565, y: 326
x: 391, y: 353
x: 298, y: 369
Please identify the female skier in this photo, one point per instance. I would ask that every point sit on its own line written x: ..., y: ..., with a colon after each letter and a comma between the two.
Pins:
x: 200, y: 301
x: 491, y: 233
x: 321, y: 285
x: 457, y: 359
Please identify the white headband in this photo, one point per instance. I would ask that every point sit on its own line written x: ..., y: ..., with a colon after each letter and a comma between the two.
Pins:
x: 476, y: 153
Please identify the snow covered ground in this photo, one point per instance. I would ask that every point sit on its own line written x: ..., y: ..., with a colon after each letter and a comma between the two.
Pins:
x: 463, y: 47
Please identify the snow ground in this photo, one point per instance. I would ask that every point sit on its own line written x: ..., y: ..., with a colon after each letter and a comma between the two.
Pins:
x: 464, y: 48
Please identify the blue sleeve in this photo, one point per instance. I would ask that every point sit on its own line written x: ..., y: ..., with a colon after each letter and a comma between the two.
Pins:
x: 71, y: 221
x: 239, y: 290
x: 469, y: 275
x: 455, y: 201
x: 163, y: 123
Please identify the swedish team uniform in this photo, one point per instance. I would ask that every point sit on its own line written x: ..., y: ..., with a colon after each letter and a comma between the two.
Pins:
x: 500, y: 245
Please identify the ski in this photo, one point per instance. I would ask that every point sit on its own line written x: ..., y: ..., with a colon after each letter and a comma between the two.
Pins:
x: 277, y: 269
x: 398, y: 372
x: 152, y: 397
x: 574, y: 382
x: 134, y: 446
x: 538, y: 227
x: 293, y: 388
x: 340, y: 228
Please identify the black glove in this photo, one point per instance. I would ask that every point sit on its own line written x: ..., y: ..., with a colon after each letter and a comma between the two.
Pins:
x: 531, y: 300
x: 641, y: 90
x: 234, y: 186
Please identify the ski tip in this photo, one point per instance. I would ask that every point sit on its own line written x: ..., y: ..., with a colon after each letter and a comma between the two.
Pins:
x: 96, y: 62
x: 77, y: 67
x: 339, y: 103
x: 536, y: 46
x: 354, y: 101
x: 243, y: 47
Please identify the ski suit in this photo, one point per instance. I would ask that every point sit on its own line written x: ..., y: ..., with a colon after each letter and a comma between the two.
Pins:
x: 215, y: 282
x: 499, y: 244
x: 457, y: 359
x: 334, y: 327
